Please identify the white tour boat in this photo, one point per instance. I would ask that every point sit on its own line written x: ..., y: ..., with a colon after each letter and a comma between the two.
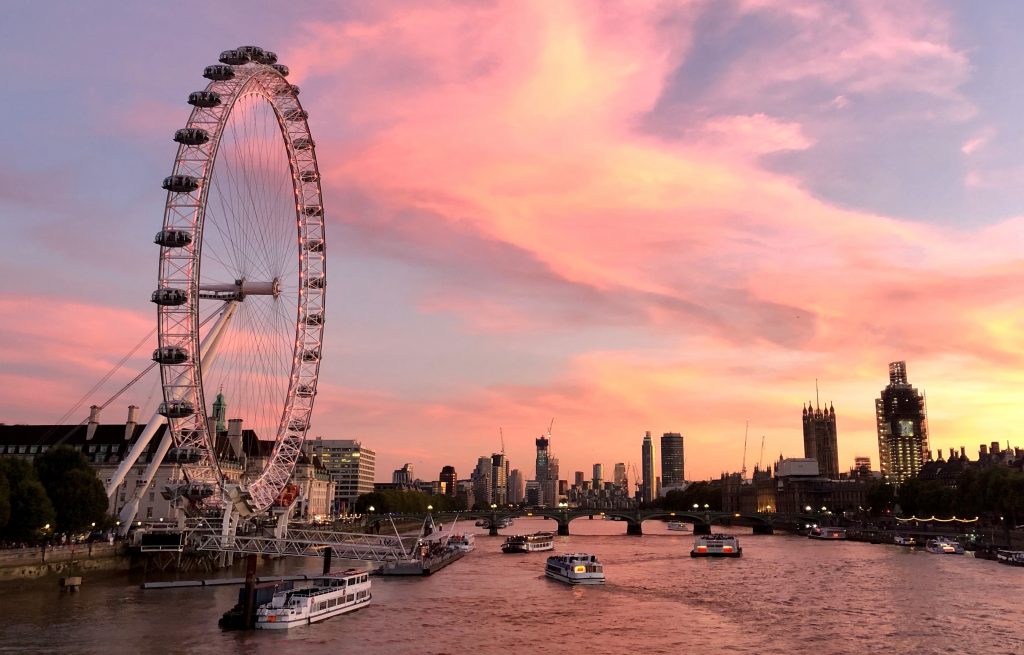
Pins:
x: 327, y: 596
x: 827, y: 532
x: 716, y: 545
x: 677, y: 526
x: 464, y: 542
x: 575, y: 568
x: 904, y: 540
x: 943, y: 546
x: 528, y: 543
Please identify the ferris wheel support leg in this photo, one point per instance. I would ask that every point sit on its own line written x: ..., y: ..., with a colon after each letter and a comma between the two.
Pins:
x: 281, y: 529
x: 131, y: 508
x: 136, y: 451
x: 228, y: 526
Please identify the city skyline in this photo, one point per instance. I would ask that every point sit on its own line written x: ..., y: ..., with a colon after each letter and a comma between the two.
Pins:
x: 628, y: 219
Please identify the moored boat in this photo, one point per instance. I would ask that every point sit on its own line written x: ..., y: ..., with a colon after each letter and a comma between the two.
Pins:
x: 464, y: 542
x: 327, y: 596
x: 1011, y: 557
x: 827, y: 532
x: 943, y: 546
x: 677, y: 526
x: 528, y: 543
x: 716, y: 545
x: 575, y: 568
x: 904, y: 540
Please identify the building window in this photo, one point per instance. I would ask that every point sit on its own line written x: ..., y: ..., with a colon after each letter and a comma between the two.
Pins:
x: 149, y: 512
x: 152, y: 496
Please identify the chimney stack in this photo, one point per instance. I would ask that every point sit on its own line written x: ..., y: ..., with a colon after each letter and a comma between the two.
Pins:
x: 94, y: 422
x: 133, y: 420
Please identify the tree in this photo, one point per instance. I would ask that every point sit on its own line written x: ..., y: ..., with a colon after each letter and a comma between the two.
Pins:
x: 31, y: 509
x: 79, y: 498
x: 880, y: 497
x: 5, y: 500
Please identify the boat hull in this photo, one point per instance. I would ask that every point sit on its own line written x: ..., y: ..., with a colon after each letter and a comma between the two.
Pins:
x: 736, y: 553
x: 591, y: 579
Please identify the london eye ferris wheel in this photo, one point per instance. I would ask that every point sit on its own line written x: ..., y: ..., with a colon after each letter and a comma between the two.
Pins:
x: 243, y: 243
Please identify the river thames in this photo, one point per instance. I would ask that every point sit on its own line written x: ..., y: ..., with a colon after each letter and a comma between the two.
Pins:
x: 787, y: 594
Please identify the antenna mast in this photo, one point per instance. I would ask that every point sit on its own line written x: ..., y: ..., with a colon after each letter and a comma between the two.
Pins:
x: 743, y: 471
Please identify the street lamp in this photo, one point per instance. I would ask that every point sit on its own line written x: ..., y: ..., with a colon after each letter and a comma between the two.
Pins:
x: 807, y: 508
x: 494, y: 506
x: 706, y: 507
x: 430, y: 508
x: 696, y: 506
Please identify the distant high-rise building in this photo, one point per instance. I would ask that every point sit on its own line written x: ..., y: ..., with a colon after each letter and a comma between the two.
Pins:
x: 515, y: 487
x: 352, y: 468
x: 544, y: 477
x: 621, y: 480
x: 672, y: 460
x: 598, y: 476
x: 533, y: 493
x: 648, y: 471
x: 820, y: 439
x: 902, y: 427
x: 499, y: 479
x: 551, y: 487
x: 449, y: 481
x: 403, y: 477
x: 861, y: 467
x: 578, y: 481
x: 483, y: 487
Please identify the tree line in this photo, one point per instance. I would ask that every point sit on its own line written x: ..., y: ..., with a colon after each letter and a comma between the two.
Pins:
x: 994, y: 494
x: 406, y: 502
x: 58, y: 489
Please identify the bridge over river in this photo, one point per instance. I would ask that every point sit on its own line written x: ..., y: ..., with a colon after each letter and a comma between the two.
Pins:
x: 702, y: 520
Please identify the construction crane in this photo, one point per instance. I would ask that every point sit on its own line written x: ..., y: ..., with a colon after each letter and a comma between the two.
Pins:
x: 551, y: 425
x: 502, y: 435
x: 762, y: 453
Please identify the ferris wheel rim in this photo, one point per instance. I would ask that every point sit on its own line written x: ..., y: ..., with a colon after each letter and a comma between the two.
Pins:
x: 180, y: 270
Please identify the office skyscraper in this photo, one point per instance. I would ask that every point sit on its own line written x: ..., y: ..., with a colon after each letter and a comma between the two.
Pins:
x: 598, y: 476
x: 621, y: 480
x: 515, y: 487
x: 648, y: 470
x: 820, y: 440
x: 902, y: 427
x: 449, y: 481
x: 671, y: 459
x: 499, y: 479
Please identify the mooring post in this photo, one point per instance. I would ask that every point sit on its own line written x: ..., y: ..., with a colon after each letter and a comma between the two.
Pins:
x: 250, y: 592
x: 328, y: 552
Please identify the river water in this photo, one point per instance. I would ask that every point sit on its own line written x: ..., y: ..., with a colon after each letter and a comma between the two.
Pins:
x: 786, y: 594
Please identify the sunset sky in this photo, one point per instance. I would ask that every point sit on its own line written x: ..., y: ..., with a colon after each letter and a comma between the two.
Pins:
x: 627, y: 216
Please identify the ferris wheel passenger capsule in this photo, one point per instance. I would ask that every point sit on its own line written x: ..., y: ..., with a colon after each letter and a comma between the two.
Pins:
x: 302, y: 143
x: 191, y: 136
x: 219, y: 72
x: 309, y: 176
x: 253, y: 52
x: 204, y: 99
x: 170, y: 355
x: 282, y: 69
x: 315, y: 245
x: 313, y: 210
x: 304, y: 391
x: 311, y: 355
x: 176, y: 408
x: 173, y: 238
x: 296, y: 115
x: 316, y: 282
x: 170, y: 297
x: 233, y: 58
x: 269, y: 58
x: 181, y: 183
x: 297, y: 425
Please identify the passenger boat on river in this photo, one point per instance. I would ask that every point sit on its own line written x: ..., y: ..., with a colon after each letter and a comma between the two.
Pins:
x: 327, y: 596
x: 575, y: 568
x: 716, y: 545
x: 943, y: 546
x: 827, y: 532
x: 528, y: 543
